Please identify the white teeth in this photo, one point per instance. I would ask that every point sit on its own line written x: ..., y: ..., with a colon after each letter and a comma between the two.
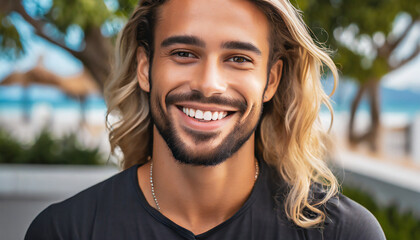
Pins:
x: 191, y: 112
x: 204, y: 115
x: 207, y: 115
x: 199, y: 114
x: 221, y: 115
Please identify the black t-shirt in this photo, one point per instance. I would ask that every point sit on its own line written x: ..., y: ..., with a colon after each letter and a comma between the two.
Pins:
x: 117, y: 209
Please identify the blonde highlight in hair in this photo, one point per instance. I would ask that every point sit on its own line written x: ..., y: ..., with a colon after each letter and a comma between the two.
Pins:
x: 132, y: 131
x: 289, y: 136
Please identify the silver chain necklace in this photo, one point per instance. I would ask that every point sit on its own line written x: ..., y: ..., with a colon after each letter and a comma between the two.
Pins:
x: 257, y: 171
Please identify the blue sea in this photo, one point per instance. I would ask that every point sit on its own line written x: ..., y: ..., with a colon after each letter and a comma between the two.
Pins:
x: 16, y: 99
x: 392, y: 101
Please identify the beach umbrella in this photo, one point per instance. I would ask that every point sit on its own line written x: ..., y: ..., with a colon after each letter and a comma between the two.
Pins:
x: 77, y: 87
x: 37, y: 75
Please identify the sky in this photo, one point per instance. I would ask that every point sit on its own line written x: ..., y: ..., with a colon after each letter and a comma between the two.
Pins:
x: 405, y: 78
x: 54, y: 58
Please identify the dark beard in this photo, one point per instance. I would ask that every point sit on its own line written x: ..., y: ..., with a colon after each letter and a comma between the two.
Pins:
x: 230, y: 145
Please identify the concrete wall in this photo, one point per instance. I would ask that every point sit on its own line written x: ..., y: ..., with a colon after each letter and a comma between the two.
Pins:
x: 415, y: 139
x: 25, y: 190
x: 386, y: 182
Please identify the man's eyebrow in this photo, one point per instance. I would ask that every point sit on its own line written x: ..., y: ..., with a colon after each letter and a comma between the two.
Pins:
x: 190, y: 40
x: 241, y: 46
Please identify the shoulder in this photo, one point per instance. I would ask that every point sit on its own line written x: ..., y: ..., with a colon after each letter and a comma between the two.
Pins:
x: 73, y: 216
x: 347, y: 219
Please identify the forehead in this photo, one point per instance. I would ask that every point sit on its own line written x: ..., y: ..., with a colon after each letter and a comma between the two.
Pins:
x: 213, y: 20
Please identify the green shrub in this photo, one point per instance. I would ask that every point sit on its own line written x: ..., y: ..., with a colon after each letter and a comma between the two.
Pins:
x: 10, y: 149
x: 396, y: 225
x: 47, y: 150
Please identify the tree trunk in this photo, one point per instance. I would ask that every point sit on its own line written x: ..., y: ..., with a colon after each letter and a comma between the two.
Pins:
x: 371, y: 87
x: 353, y: 139
x: 96, y: 57
x: 373, y: 139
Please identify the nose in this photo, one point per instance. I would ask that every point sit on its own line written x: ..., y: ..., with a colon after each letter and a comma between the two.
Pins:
x: 210, y: 80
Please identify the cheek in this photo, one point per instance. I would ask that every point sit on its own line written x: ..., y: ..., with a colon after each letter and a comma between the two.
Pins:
x: 250, y: 87
x: 158, y: 91
x: 169, y: 76
x: 162, y: 79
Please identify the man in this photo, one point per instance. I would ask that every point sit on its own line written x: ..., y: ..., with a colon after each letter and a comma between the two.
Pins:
x: 217, y: 104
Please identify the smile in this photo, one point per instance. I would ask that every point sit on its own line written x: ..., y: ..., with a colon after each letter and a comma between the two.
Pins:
x: 204, y: 115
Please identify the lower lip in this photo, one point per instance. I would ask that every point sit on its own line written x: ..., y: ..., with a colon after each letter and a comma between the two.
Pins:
x: 198, y: 125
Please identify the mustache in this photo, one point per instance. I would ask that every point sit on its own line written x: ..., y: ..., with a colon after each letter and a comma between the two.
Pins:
x: 200, y: 98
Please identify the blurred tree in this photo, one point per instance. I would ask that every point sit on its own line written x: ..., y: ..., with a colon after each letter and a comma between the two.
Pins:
x: 363, y: 36
x: 98, y: 22
x: 367, y: 44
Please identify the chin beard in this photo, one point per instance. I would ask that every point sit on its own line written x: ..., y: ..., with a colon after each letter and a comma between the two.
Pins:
x: 228, y: 146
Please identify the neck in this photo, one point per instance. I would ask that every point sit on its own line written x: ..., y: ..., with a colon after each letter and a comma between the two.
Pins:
x: 196, y: 197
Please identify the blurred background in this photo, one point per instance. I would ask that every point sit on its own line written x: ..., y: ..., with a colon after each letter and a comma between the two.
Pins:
x: 55, y: 55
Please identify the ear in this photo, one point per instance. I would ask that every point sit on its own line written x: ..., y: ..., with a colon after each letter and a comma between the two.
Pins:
x: 273, y: 80
x: 143, y: 69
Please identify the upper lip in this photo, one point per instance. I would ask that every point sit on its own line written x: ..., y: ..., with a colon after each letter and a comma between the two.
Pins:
x: 207, y: 107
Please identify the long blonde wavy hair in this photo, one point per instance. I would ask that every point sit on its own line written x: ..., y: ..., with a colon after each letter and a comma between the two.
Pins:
x: 289, y: 136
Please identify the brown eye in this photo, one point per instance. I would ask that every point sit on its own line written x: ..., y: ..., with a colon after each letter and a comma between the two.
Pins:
x: 184, y: 54
x: 239, y: 59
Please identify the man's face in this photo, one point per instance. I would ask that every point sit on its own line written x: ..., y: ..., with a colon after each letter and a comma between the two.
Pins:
x: 208, y: 76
